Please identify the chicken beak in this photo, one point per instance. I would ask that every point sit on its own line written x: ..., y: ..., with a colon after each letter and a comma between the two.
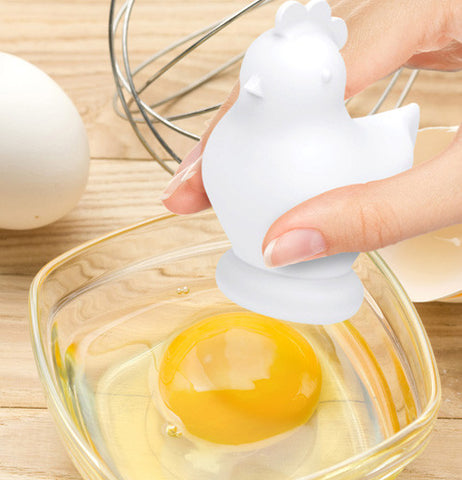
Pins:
x: 253, y: 86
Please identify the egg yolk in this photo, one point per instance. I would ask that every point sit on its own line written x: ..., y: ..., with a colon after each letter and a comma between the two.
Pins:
x: 238, y: 378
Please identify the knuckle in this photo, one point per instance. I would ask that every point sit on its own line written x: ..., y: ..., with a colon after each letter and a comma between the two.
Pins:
x: 375, y: 222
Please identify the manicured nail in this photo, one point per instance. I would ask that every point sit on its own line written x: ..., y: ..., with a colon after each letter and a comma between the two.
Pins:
x: 194, y: 154
x: 180, y: 178
x: 191, y: 170
x: 172, y: 185
x: 293, y: 247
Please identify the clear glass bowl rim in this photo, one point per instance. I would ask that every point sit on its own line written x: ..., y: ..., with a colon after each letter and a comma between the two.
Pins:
x: 67, y: 428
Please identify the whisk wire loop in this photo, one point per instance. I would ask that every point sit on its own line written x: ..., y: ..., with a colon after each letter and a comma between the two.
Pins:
x: 129, y: 105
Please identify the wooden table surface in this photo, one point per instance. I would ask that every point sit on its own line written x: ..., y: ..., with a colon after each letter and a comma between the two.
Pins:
x: 68, y: 40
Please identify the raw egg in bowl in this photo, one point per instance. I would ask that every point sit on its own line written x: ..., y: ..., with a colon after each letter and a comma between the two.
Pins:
x: 152, y: 373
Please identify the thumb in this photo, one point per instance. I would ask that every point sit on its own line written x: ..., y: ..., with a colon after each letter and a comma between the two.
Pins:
x: 372, y: 215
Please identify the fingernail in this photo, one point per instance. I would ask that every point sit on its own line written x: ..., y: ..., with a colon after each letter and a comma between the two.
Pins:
x: 172, y: 185
x: 180, y: 178
x: 293, y: 247
x: 194, y: 154
x: 191, y: 170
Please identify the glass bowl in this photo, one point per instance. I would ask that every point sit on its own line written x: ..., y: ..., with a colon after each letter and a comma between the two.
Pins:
x: 99, y: 311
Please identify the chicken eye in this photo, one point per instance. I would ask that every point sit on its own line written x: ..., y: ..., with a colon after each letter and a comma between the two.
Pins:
x: 326, y: 75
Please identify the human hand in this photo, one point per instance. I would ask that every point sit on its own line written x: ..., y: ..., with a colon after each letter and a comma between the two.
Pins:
x: 382, y: 37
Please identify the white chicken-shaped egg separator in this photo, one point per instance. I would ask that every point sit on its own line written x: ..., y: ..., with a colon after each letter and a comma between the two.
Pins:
x: 288, y: 138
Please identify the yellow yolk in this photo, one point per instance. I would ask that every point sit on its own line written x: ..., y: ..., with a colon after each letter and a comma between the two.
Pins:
x: 240, y: 377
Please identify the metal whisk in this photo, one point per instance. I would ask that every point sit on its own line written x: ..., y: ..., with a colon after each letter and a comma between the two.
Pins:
x: 129, y: 100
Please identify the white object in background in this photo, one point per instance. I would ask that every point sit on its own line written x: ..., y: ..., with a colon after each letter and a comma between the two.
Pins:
x: 430, y: 266
x: 288, y: 138
x: 44, y: 156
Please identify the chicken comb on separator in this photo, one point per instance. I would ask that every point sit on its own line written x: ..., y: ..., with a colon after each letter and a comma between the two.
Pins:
x: 294, y: 18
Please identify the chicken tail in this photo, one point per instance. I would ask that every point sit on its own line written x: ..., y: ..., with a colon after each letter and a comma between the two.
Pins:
x: 411, y: 116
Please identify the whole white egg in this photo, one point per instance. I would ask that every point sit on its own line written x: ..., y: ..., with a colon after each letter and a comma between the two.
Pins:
x: 44, y: 155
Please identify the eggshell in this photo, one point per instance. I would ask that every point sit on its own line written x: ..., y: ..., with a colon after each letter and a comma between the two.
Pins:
x: 44, y: 155
x: 430, y: 266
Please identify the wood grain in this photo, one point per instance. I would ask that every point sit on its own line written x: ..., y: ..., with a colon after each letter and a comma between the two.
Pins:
x: 443, y: 324
x: 31, y: 448
x: 19, y: 382
x: 119, y: 193
x: 68, y: 40
x: 70, y: 44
